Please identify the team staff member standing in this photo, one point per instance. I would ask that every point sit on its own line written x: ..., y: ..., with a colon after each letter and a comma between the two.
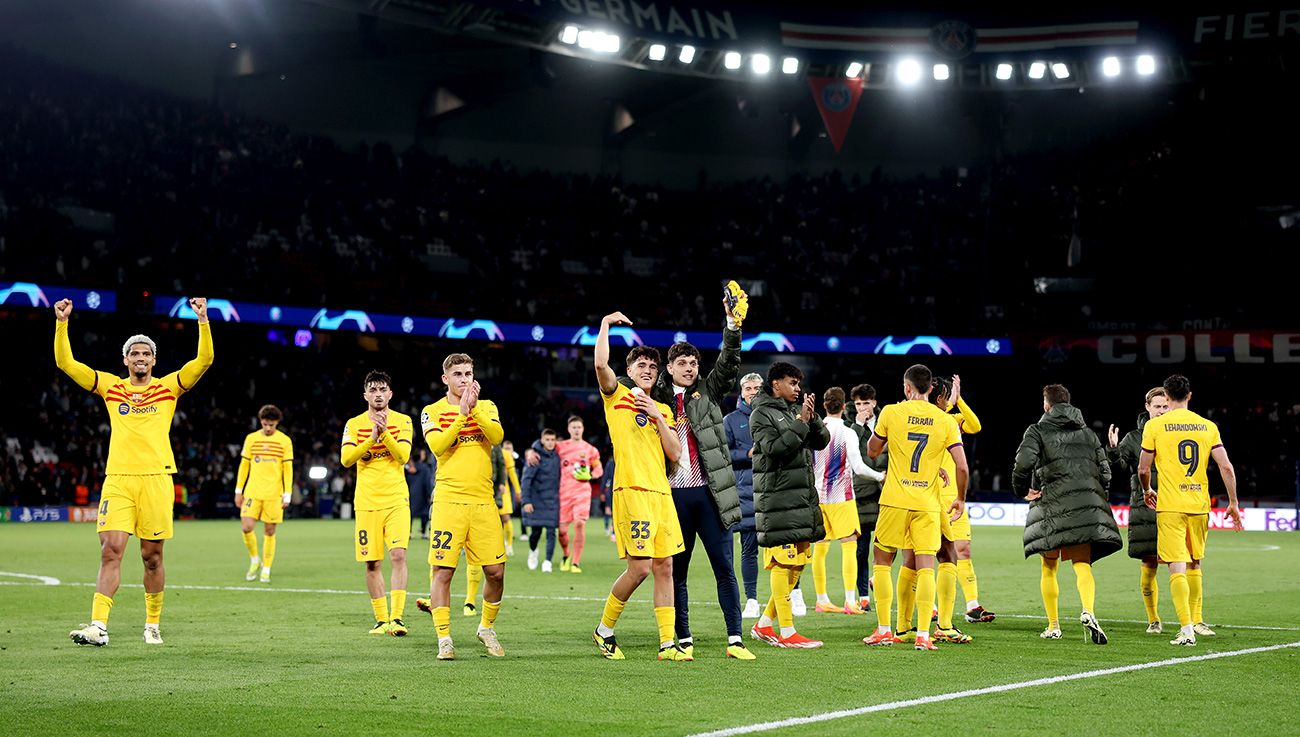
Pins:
x: 264, y: 487
x: 378, y: 443
x: 137, y: 495
x: 1070, y: 516
x: 461, y: 430
x: 741, y: 444
x: 703, y: 483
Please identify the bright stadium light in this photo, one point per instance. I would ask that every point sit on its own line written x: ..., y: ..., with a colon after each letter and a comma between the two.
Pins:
x: 909, y: 72
x: 658, y: 52
x: 854, y: 69
x: 1037, y: 70
x: 569, y: 35
x: 1110, y: 66
x: 790, y: 65
x: 316, y: 473
x: 1146, y: 65
x: 586, y: 39
x: 941, y: 72
x: 686, y: 55
x: 1060, y: 70
x: 1004, y: 72
x: 731, y: 60
x: 608, y: 43
x: 760, y: 63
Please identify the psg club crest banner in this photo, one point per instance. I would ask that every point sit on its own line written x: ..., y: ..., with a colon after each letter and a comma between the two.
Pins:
x: 837, y: 100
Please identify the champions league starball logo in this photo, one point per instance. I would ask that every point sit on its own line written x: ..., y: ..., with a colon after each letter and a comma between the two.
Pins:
x: 836, y: 97
x: 953, y: 39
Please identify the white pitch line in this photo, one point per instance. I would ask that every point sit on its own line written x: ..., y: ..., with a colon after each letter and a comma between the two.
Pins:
x: 50, y: 581
x: 938, y: 698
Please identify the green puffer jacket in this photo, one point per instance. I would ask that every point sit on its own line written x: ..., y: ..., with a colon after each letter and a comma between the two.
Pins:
x: 866, y: 492
x: 1069, y: 463
x: 786, y: 507
x: 703, y: 403
x: 1141, y: 518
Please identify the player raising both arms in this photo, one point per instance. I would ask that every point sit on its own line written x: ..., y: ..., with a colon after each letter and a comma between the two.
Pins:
x: 645, y: 520
x: 1181, y: 443
x: 137, y: 494
x: 378, y: 443
x: 461, y: 430
x: 264, y: 487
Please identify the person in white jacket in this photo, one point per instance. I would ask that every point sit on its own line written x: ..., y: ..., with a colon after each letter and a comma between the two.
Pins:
x: 834, y: 469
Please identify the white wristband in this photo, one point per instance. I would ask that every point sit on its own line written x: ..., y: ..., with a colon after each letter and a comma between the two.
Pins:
x: 731, y: 324
x: 286, y: 497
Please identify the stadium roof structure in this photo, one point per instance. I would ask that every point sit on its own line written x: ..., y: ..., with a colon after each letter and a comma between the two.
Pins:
x: 987, y: 49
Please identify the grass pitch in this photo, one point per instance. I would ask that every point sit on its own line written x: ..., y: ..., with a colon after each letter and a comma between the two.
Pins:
x: 293, y: 656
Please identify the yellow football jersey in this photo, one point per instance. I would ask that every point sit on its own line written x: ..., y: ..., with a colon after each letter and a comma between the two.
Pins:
x: 270, y: 465
x: 140, y: 417
x: 463, y: 446
x: 919, y: 435
x: 1181, y: 441
x: 381, y: 479
x: 967, y: 424
x: 639, y: 461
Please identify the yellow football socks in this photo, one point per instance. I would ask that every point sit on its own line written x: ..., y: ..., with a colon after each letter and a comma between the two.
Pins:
x: 100, y: 607
x: 924, y: 601
x: 1051, y: 591
x: 490, y: 610
x: 613, y: 610
x: 508, y: 528
x: 268, y: 550
x: 906, y: 597
x: 782, y: 585
x: 399, y: 603
x: 380, y: 606
x: 473, y: 579
x: 884, y: 586
x: 1195, y: 593
x: 966, y: 577
x: 946, y: 589
x: 849, y: 564
x: 1149, y: 585
x: 250, y: 542
x: 1086, y: 584
x: 664, y: 619
x: 1180, y: 590
x: 820, y: 552
x: 153, y: 604
x: 442, y: 621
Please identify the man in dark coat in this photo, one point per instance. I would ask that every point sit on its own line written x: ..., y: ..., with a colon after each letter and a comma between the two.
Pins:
x: 1126, y: 454
x: 787, y: 510
x: 419, y: 482
x: 1069, y: 514
x: 866, y: 491
x: 539, y: 495
x: 741, y: 444
x: 703, y: 483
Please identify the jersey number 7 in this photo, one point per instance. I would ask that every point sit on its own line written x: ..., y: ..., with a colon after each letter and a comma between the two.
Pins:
x: 922, y: 439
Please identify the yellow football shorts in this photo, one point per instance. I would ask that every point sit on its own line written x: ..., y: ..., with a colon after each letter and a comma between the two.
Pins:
x: 474, y: 528
x: 137, y: 505
x: 376, y: 529
x: 841, y: 520
x: 1180, y: 537
x: 645, y: 524
x: 959, y: 530
x: 791, y: 556
x: 907, y: 528
x: 263, y: 510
